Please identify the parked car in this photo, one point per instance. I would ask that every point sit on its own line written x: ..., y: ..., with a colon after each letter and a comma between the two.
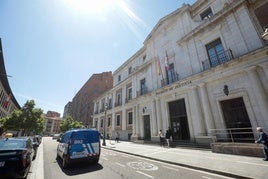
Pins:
x: 36, y: 143
x: 56, y: 136
x: 79, y: 145
x: 16, y: 155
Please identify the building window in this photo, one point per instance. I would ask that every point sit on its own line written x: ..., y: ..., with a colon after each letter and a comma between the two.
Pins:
x: 262, y: 15
x: 143, y: 87
x: 118, y: 120
x: 109, y: 121
x: 130, y: 118
x: 216, y: 53
x: 206, y: 14
x: 119, y: 78
x: 129, y: 93
x: 129, y: 70
x: 118, y: 100
x: 101, y: 123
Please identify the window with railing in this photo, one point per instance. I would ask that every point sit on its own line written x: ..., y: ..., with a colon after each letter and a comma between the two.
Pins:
x: 206, y: 14
x: 216, y: 54
x: 118, y: 100
x: 143, y: 87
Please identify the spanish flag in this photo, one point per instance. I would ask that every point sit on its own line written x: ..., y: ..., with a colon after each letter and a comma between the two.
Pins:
x: 159, y: 70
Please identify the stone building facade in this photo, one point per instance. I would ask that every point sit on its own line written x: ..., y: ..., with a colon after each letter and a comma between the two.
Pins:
x: 203, y: 72
x: 81, y: 106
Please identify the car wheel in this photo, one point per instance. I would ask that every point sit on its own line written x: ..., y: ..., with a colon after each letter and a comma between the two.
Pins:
x: 64, y: 162
x: 96, y: 160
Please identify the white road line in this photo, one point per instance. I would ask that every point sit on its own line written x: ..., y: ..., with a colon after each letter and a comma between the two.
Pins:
x: 206, y: 177
x: 170, y: 168
x: 253, y: 163
x: 120, y: 164
x: 144, y: 174
x: 104, y: 158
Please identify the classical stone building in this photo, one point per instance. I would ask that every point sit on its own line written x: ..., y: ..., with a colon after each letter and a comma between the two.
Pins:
x: 203, y: 71
x: 8, y: 102
x: 81, y: 106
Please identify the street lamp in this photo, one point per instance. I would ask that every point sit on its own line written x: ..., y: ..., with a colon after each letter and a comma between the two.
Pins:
x: 104, y: 125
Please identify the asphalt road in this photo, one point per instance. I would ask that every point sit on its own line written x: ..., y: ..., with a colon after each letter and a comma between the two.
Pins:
x: 112, y: 164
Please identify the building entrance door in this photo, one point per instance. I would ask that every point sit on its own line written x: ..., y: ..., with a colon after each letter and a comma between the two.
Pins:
x: 178, y: 120
x: 237, y: 120
x: 147, y: 128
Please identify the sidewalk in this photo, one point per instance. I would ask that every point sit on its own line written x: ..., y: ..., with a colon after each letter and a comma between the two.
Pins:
x: 225, y: 164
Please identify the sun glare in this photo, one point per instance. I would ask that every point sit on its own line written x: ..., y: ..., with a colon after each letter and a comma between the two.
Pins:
x: 93, y: 7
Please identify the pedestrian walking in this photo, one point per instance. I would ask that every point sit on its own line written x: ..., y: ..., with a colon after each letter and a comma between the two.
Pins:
x: 168, y: 135
x: 117, y: 137
x: 264, y: 141
x: 162, y: 138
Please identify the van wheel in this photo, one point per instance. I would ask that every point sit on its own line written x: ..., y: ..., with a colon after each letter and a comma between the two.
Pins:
x: 64, y: 162
x: 96, y: 160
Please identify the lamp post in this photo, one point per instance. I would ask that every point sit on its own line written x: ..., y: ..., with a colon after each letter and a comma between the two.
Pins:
x: 104, y: 125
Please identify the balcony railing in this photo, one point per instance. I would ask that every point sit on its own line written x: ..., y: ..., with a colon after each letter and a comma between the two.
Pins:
x: 117, y: 104
x: 218, y: 59
x: 166, y: 81
x: 245, y: 135
x: 143, y: 91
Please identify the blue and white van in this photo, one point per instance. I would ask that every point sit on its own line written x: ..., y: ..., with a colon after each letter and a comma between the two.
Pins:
x: 79, y: 145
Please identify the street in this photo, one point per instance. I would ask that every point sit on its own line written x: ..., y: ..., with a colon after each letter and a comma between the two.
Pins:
x: 112, y: 164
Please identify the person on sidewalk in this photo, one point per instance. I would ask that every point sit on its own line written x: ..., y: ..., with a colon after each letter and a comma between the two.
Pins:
x: 162, y: 138
x: 263, y: 139
x: 117, y: 137
x: 168, y: 135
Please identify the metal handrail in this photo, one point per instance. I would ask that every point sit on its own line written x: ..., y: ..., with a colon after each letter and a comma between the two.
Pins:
x: 233, y: 134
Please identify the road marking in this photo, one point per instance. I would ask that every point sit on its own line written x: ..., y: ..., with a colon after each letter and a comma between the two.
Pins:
x: 252, y: 163
x: 120, y: 164
x: 144, y: 174
x: 206, y: 177
x: 170, y: 168
x: 104, y: 158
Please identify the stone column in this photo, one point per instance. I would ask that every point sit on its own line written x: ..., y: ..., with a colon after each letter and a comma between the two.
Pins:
x: 134, y: 121
x: 264, y: 67
x: 124, y: 119
x: 154, y: 119
x: 258, y: 96
x: 206, y: 108
x: 138, y: 121
x: 197, y: 115
x: 159, y: 115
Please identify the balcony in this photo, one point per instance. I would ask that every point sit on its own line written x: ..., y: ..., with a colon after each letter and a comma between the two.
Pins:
x: 143, y: 91
x: 166, y: 81
x: 119, y: 103
x: 217, y: 59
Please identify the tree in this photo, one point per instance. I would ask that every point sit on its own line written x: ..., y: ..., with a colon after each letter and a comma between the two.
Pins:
x: 68, y: 123
x: 27, y: 120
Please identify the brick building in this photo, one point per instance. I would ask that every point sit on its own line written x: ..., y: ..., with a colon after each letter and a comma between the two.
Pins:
x: 81, y: 106
x: 52, y: 123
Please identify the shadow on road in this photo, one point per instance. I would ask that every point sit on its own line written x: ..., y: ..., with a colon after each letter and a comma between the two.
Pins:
x: 80, y: 168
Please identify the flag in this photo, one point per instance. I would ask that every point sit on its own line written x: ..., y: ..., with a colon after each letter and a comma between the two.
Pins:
x: 166, y: 62
x: 159, y: 70
x: 7, y: 101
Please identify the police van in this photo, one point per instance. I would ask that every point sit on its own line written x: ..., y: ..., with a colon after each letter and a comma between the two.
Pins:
x: 79, y: 145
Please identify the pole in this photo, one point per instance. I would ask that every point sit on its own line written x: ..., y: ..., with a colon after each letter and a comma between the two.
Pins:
x: 104, y: 127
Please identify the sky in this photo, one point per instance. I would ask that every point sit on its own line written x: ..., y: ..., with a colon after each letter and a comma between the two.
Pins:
x: 52, y: 47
